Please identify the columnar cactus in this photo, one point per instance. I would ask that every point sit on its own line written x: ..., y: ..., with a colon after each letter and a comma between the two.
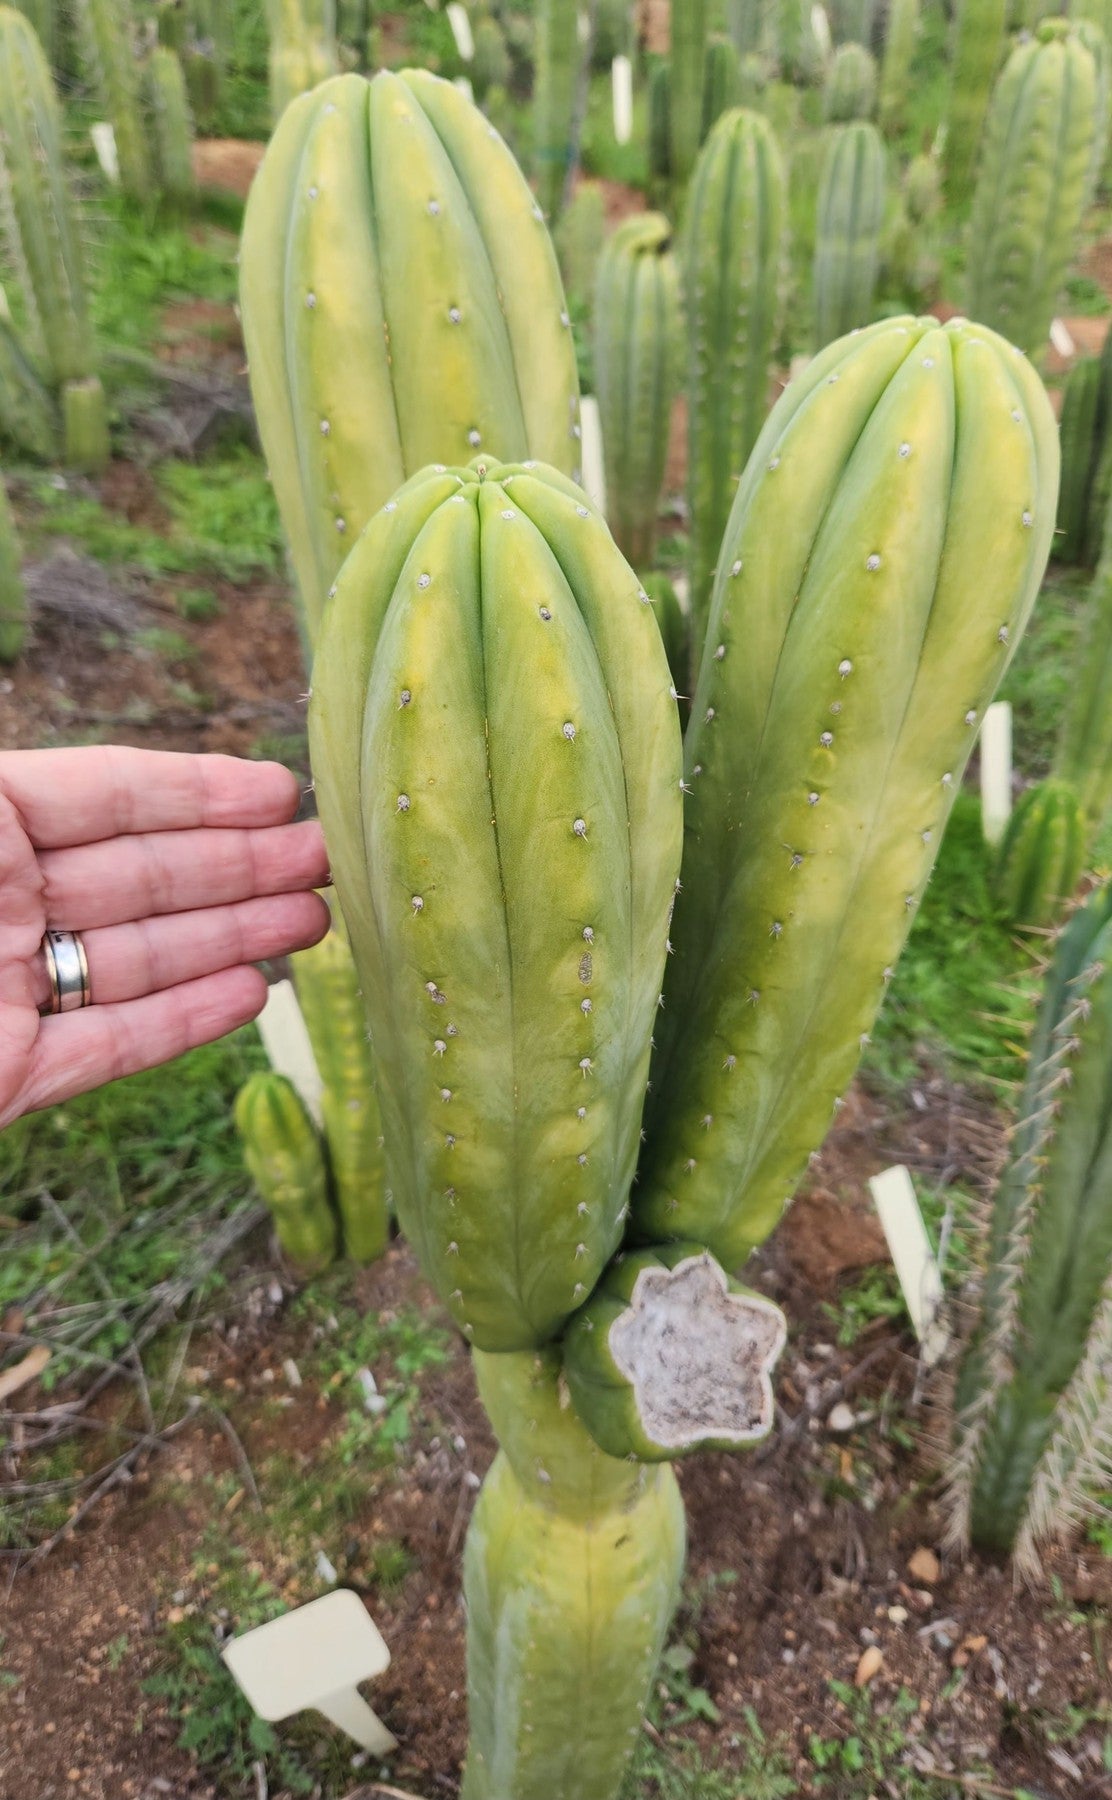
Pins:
x: 106, y: 37
x: 847, y: 239
x: 13, y: 598
x: 734, y: 244
x: 721, y: 83
x: 559, y: 72
x: 401, y: 305
x: 1042, y: 855
x: 913, y: 249
x: 852, y: 21
x: 28, y: 415
x: 286, y: 1162
x: 689, y: 39
x: 978, y: 49
x: 580, y: 236
x: 850, y: 85
x: 792, y: 41
x: 1034, y: 1405
x: 1027, y: 210
x: 1084, y: 753
x: 660, y: 121
x: 746, y: 22
x: 302, y: 49
x: 171, y: 125
x: 918, y: 467
x: 490, y: 66
x: 895, y: 68
x: 40, y: 241
x: 638, y: 359
x: 1081, y: 438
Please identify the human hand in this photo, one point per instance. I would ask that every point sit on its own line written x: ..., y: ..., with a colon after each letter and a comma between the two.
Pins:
x: 178, y: 871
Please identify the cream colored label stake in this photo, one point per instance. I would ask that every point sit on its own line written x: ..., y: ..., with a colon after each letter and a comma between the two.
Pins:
x: 461, y: 29
x: 916, y: 1268
x: 104, y: 143
x: 996, y: 771
x: 1061, y: 339
x: 313, y: 1658
x: 594, y: 474
x: 621, y: 89
x: 820, y: 25
x: 287, y: 1045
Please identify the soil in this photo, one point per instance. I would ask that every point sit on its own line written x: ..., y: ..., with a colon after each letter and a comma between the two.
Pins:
x: 227, y: 163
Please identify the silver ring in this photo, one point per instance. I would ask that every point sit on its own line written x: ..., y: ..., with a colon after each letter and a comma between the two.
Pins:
x: 67, y: 968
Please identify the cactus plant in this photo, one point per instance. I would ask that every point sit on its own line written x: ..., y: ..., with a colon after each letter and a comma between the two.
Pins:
x: 1027, y: 210
x: 1081, y: 436
x: 580, y: 236
x: 286, y: 1162
x: 792, y: 41
x: 734, y: 239
x: 918, y: 466
x: 328, y: 990
x: 913, y: 253
x: 978, y: 49
x: 675, y: 629
x: 556, y: 100
x: 721, y: 83
x: 302, y: 51
x: 614, y: 31
x: 1042, y: 854
x: 39, y: 240
x: 1033, y: 1401
x: 106, y: 37
x: 689, y: 41
x: 746, y: 23
x: 660, y: 121
x: 852, y: 21
x: 895, y: 68
x: 401, y: 305
x: 171, y: 126
x: 490, y: 66
x: 28, y: 415
x: 1084, y: 752
x: 847, y: 239
x: 13, y: 598
x: 637, y: 372
x: 850, y: 91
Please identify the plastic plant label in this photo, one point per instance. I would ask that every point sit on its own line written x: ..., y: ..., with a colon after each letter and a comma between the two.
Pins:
x: 461, y: 29
x: 463, y: 84
x: 594, y: 474
x: 286, y: 1042
x: 104, y: 143
x: 621, y: 90
x: 996, y: 771
x: 820, y: 25
x: 1061, y: 339
x: 313, y: 1658
x: 916, y: 1266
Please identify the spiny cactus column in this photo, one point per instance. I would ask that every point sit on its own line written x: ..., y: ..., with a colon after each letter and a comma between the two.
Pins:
x: 689, y: 39
x: 302, y: 49
x: 850, y: 85
x: 746, y: 22
x: 847, y: 241
x: 1027, y: 209
x: 721, y: 83
x: 792, y: 41
x: 1084, y: 753
x: 637, y: 371
x: 571, y: 1575
x: 978, y: 49
x: 13, y: 598
x: 106, y: 37
x: 1042, y: 855
x: 28, y: 414
x: 496, y: 754
x: 559, y: 70
x: 40, y: 239
x: 913, y: 250
x: 732, y: 262
x: 895, y: 69
x: 1080, y: 434
x: 1034, y: 1409
x: 884, y: 550
x: 285, y: 1160
x: 171, y: 126
x: 401, y: 306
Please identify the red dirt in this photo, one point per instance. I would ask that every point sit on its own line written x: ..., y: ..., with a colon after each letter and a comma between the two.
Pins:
x: 227, y: 163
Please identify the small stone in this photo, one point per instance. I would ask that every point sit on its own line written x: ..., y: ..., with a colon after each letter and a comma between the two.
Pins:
x: 924, y: 1567
x: 841, y: 1418
x: 869, y: 1666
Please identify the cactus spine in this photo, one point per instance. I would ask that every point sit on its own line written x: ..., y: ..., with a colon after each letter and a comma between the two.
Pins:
x: 40, y: 241
x: 1042, y: 855
x: 733, y: 254
x: 401, y: 305
x: 895, y: 69
x: 302, y: 49
x: 637, y: 364
x: 171, y: 126
x: 850, y: 85
x: 1034, y: 1408
x: 556, y: 99
x: 846, y: 669
x: 847, y: 240
x: 1027, y: 210
x: 286, y: 1162
x: 13, y: 599
x: 107, y: 41
x: 978, y: 49
x: 689, y: 39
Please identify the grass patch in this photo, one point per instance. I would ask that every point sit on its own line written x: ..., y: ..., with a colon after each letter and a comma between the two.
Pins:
x: 1040, y: 679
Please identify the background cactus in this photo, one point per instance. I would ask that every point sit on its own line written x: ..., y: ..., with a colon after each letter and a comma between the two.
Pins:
x: 1034, y: 1406
x: 286, y: 1162
x: 13, y: 599
x: 721, y: 83
x: 171, y: 125
x: 792, y: 41
x: 895, y: 68
x: 746, y: 24
x: 689, y: 41
x: 1086, y: 432
x: 28, y: 414
x: 580, y: 236
x: 107, y: 41
x: 978, y: 49
x: 302, y: 49
x: 490, y: 66
x: 910, y: 473
x: 734, y: 243
x: 637, y: 357
x: 1042, y: 854
x: 850, y: 91
x: 1027, y: 210
x: 386, y: 213
x: 913, y: 247
x: 41, y: 245
x: 559, y: 73
x: 847, y: 238
x: 1084, y: 752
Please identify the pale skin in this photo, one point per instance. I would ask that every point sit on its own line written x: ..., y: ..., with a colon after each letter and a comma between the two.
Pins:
x: 180, y: 872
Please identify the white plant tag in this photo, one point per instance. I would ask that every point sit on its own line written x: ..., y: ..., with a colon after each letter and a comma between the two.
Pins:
x: 104, y: 143
x: 461, y: 29
x: 1061, y: 339
x: 463, y: 83
x: 594, y: 470
x: 820, y: 25
x: 286, y: 1042
x: 996, y: 771
x: 621, y: 89
x: 313, y: 1658
x: 916, y: 1266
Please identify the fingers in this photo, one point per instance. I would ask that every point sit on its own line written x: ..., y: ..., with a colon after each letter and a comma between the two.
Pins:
x: 127, y: 961
x: 81, y: 796
x: 176, y: 871
x: 76, y: 1052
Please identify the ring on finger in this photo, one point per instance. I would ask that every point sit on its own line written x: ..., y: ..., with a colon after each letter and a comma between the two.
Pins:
x: 67, y: 970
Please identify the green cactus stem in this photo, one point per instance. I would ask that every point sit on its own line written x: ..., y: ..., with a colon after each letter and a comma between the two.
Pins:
x: 490, y: 66
x: 171, y: 126
x: 1042, y: 855
x: 571, y: 1575
x: 637, y: 371
x: 401, y: 306
x: 913, y: 254
x: 721, y: 83
x: 689, y: 42
x: 734, y: 243
x: 847, y: 238
x: 580, y: 236
x: 328, y: 989
x: 883, y: 554
x: 106, y: 37
x: 1027, y: 209
x: 1032, y: 1401
x: 285, y: 1160
x: 660, y: 122
x: 28, y: 411
x: 13, y: 597
x: 497, y: 763
x: 978, y: 50
x: 851, y: 80
x: 852, y: 21
x: 895, y: 69
x: 746, y: 22
x: 669, y: 1356
x: 559, y: 75
x: 1081, y: 405
x: 40, y: 240
x: 302, y: 50
x: 675, y: 628
x: 1084, y: 754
